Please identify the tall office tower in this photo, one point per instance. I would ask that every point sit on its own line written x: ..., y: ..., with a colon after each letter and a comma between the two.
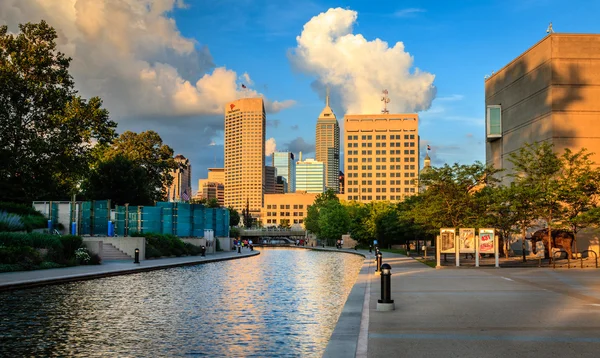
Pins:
x: 245, y: 154
x: 310, y: 176
x: 181, y: 188
x: 281, y: 186
x: 328, y: 146
x: 213, y: 190
x: 270, y: 180
x: 381, y: 156
x: 286, y: 167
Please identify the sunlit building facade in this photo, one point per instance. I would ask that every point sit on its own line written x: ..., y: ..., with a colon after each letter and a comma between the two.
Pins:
x: 310, y: 176
x: 181, y: 187
x: 286, y: 168
x: 327, y: 146
x: 291, y: 208
x: 381, y: 160
x: 245, y: 154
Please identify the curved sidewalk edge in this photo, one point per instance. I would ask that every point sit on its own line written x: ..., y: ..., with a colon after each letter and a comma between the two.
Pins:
x: 344, y: 339
x: 29, y: 279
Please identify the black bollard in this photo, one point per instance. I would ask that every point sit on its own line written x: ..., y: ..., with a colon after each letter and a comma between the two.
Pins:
x: 370, y: 248
x: 251, y: 247
x: 239, y: 249
x: 379, y: 255
x: 386, y: 274
x: 137, y: 256
x: 203, y: 250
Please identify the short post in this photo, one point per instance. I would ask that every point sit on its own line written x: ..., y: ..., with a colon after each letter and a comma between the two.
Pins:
x: 50, y: 226
x: 203, y: 252
x: 438, y: 247
x: 386, y: 303
x: 137, y: 256
x: 73, y: 228
x: 379, y: 255
x: 370, y: 248
x: 239, y: 249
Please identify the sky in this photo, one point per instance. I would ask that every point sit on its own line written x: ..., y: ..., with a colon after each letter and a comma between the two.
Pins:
x: 172, y: 65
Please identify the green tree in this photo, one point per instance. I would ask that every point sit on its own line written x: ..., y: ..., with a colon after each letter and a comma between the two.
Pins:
x: 147, y: 150
x: 234, y: 217
x: 499, y: 214
x: 120, y: 180
x: 535, y: 175
x: 450, y: 199
x: 46, y: 129
x: 313, y: 221
x: 285, y: 224
x: 333, y: 221
x: 579, y: 180
x: 212, y: 203
x: 247, y: 216
x: 358, y: 213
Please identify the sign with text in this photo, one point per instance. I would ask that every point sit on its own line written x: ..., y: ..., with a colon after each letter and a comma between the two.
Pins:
x: 448, y: 241
x: 486, y: 241
x: 466, y: 241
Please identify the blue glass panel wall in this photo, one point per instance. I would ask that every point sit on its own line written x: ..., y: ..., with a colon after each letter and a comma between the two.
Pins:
x: 198, y: 220
x: 184, y: 220
x: 151, y: 219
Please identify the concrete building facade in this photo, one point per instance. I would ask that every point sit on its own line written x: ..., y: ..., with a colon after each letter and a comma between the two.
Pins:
x: 327, y: 146
x: 270, y: 180
x: 310, y: 176
x: 213, y: 190
x: 381, y: 160
x: 182, y: 181
x: 550, y: 93
x: 245, y: 154
x: 290, y: 207
x: 286, y: 168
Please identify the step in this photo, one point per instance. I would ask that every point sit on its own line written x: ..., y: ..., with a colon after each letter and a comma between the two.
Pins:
x: 109, y: 252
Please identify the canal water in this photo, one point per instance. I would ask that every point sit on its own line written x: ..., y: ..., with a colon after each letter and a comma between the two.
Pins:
x: 281, y: 303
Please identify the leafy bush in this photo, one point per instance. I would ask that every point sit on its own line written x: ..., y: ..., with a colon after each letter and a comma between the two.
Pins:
x: 82, y: 255
x: 158, y: 245
x: 10, y: 267
x: 193, y: 249
x: 34, y: 240
x: 70, y: 244
x: 152, y: 252
x: 49, y: 265
x: 19, y: 209
x: 20, y: 255
x: 10, y: 222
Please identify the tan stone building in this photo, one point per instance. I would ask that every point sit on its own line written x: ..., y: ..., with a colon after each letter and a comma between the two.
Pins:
x: 292, y: 207
x: 245, y: 154
x: 181, y: 188
x: 551, y: 93
x: 213, y: 186
x: 381, y: 158
x: 327, y: 146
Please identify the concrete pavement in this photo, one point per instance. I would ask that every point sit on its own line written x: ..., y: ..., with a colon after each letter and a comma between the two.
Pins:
x: 26, y: 279
x: 478, y: 312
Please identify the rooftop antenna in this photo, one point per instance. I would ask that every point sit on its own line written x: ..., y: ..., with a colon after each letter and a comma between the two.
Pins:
x: 385, y: 99
x: 550, y: 30
x: 327, y: 97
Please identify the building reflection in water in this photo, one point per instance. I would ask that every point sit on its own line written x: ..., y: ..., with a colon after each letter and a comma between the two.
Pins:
x: 283, y: 302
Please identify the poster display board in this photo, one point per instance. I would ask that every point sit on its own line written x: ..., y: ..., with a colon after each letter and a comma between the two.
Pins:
x: 448, y: 241
x: 466, y: 241
x: 486, y: 241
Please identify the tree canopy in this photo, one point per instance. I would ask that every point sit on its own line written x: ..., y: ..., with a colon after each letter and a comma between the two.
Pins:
x: 47, y: 131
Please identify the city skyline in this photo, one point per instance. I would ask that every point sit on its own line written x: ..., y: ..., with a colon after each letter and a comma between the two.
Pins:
x: 156, y: 68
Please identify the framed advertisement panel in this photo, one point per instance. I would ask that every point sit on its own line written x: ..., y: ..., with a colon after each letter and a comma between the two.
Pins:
x: 487, y: 241
x: 448, y: 241
x: 466, y: 241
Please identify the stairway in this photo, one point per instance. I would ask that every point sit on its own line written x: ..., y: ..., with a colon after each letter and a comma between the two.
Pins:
x: 109, y: 252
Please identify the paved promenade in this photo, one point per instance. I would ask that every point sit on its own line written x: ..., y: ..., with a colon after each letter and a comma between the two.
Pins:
x: 24, y: 279
x: 485, y: 312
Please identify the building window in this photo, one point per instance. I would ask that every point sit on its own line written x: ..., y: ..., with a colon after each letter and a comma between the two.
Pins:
x: 494, y: 122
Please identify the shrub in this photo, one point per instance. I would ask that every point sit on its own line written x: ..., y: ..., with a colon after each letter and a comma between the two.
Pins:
x: 70, y: 244
x: 151, y: 252
x: 82, y: 255
x: 10, y: 267
x: 218, y: 245
x: 34, y: 222
x: 19, y: 209
x: 193, y: 249
x: 34, y: 240
x: 95, y: 259
x: 49, y: 265
x: 20, y: 255
x: 10, y: 222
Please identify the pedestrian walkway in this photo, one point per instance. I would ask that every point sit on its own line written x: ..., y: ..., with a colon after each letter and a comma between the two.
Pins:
x: 477, y: 312
x: 26, y: 279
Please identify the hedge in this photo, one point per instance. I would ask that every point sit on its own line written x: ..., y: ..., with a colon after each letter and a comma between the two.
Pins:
x: 20, y: 209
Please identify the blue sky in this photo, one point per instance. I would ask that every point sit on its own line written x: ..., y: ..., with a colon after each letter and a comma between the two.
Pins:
x: 162, y: 66
x: 458, y: 42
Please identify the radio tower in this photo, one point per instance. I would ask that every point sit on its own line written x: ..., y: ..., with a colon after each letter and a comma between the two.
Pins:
x: 385, y: 99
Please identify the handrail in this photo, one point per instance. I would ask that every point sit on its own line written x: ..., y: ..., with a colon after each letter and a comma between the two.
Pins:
x: 554, y: 258
x: 595, y: 256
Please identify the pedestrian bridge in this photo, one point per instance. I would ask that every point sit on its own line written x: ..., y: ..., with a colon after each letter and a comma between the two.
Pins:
x: 272, y: 232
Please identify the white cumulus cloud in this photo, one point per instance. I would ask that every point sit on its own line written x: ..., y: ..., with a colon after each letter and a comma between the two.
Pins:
x: 357, y: 69
x: 270, y: 146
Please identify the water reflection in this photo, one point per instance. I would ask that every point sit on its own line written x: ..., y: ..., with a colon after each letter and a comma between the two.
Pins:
x: 283, y: 302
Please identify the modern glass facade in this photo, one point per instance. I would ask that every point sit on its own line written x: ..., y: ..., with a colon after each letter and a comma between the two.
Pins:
x: 328, y: 146
x: 310, y: 176
x: 286, y: 168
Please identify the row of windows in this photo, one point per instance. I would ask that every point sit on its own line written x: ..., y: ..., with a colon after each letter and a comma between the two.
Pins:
x: 285, y: 213
x: 381, y: 152
x: 370, y: 167
x: 406, y: 174
x: 380, y: 190
x: 281, y: 221
x: 381, y: 137
x: 382, y: 160
x: 378, y: 197
x: 381, y: 145
x: 282, y: 206
x: 382, y: 182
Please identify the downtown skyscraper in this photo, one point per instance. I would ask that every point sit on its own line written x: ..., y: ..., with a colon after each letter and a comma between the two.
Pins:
x: 245, y: 154
x: 328, y: 146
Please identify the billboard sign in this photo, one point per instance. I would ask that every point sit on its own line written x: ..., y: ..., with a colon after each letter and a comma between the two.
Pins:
x: 486, y: 241
x: 466, y: 241
x: 448, y: 241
